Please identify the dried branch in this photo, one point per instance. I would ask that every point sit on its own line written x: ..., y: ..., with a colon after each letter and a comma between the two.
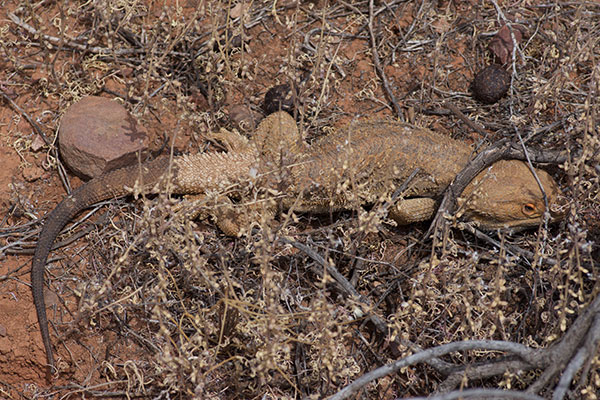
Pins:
x: 481, y: 394
x: 503, y: 149
x: 377, y: 62
x: 552, y: 359
x: 524, y: 352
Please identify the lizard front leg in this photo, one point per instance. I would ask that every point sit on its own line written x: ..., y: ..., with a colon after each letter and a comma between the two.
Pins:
x: 233, y: 141
x: 408, y: 211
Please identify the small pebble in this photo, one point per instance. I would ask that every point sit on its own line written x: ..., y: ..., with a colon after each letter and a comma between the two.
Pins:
x: 279, y: 98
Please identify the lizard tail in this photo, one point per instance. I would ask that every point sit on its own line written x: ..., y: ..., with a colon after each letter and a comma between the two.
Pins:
x: 113, y: 184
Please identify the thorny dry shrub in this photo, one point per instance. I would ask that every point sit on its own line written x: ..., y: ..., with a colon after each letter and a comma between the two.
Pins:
x: 219, y: 317
x: 225, y: 319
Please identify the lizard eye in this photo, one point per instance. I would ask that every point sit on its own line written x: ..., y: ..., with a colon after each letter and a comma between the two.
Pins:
x: 528, y: 209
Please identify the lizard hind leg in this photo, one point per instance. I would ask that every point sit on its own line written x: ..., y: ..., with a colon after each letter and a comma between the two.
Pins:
x: 408, y: 211
x: 232, y: 141
x: 275, y: 134
x: 277, y: 137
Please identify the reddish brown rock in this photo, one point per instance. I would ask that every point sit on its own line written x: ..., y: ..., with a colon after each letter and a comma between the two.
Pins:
x: 98, y: 135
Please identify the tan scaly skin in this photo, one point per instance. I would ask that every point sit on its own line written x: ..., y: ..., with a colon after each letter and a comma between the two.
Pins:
x: 358, y: 165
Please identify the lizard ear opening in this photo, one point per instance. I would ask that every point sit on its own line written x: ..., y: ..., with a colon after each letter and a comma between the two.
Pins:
x: 528, y: 209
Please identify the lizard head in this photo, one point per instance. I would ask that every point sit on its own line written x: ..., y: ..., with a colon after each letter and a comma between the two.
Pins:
x: 507, y: 195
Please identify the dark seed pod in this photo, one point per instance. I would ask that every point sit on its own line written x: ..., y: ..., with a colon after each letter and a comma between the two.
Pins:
x: 490, y: 84
x: 280, y: 97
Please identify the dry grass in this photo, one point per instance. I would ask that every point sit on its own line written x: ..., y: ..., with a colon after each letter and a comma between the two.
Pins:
x: 188, y: 312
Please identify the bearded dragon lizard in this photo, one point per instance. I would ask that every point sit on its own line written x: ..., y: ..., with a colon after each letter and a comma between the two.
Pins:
x: 358, y: 165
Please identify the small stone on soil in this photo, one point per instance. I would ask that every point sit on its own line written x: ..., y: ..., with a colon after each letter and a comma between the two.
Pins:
x: 279, y: 98
x: 97, y: 135
x: 490, y: 84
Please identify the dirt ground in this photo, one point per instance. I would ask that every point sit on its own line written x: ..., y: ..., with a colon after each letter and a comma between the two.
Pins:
x: 144, y: 302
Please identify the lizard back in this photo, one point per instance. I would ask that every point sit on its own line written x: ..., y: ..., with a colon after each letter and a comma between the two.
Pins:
x: 368, y: 159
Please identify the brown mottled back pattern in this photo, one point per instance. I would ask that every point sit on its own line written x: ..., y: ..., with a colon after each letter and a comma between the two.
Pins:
x: 370, y: 159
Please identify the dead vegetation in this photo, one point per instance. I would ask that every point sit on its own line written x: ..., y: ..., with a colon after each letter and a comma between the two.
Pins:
x: 315, y: 305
